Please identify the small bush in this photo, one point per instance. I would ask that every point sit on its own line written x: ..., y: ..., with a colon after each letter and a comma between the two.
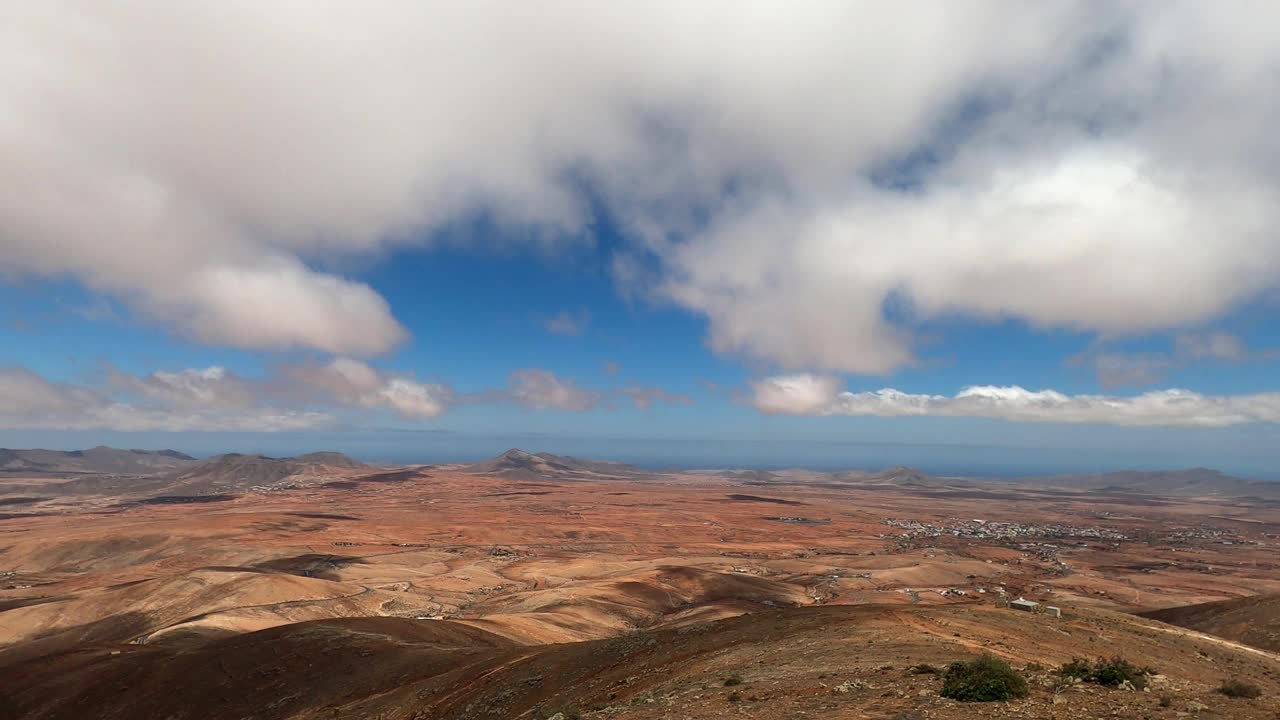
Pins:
x: 983, y: 680
x: 1110, y: 673
x: 1116, y: 671
x: 1077, y: 668
x: 734, y: 679
x: 1238, y: 689
x: 924, y: 669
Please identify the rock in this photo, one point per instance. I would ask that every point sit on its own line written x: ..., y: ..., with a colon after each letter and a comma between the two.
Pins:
x: 1126, y: 685
x: 849, y: 685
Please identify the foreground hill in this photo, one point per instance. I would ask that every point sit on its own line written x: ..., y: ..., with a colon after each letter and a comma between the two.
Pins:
x: 1251, y: 620
x: 100, y: 459
x: 831, y: 662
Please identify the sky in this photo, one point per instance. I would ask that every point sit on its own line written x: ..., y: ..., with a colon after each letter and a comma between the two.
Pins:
x: 978, y: 238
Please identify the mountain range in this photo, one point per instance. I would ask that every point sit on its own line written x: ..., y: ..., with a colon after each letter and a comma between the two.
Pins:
x: 171, y: 470
x: 99, y: 459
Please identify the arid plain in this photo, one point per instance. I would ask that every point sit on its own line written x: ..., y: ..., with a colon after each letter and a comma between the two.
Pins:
x: 113, y: 578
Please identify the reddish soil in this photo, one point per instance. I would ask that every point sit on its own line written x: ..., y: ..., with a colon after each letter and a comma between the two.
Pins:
x: 315, y: 598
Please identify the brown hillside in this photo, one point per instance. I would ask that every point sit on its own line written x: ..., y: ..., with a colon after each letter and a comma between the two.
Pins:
x: 1251, y: 620
x: 843, y: 662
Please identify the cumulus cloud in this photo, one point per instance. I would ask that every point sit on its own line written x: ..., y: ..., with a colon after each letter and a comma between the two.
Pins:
x: 794, y: 394
x: 544, y: 390
x: 290, y: 397
x: 293, y: 397
x: 209, y: 388
x: 355, y: 383
x: 23, y: 392
x: 814, y: 395
x: 646, y: 397
x: 173, y: 402
x: 1103, y: 167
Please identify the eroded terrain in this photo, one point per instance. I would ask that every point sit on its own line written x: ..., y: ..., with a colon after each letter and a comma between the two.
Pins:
x: 528, y: 562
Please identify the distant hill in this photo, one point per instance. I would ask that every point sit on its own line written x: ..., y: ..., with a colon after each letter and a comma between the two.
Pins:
x: 1193, y: 482
x: 236, y: 472
x: 98, y: 460
x: 332, y: 459
x: 900, y: 476
x: 521, y: 465
x: 1250, y: 620
x: 1176, y: 483
x: 172, y: 474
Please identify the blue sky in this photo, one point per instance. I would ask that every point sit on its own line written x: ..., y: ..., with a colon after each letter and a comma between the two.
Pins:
x: 1056, y: 254
x: 475, y: 317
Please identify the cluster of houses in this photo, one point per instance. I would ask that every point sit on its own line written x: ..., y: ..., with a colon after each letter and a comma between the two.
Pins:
x: 991, y: 530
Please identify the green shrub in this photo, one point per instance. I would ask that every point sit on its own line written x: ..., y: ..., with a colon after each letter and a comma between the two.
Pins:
x: 1077, y: 668
x: 1239, y: 689
x: 1116, y: 671
x: 985, y: 679
x: 1110, y: 673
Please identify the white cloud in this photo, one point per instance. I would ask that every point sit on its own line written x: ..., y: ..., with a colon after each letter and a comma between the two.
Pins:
x: 794, y: 394
x: 1094, y: 240
x: 295, y: 397
x: 646, y: 397
x: 355, y: 383
x: 23, y: 392
x: 544, y: 390
x: 208, y: 388
x: 814, y: 395
x: 1103, y: 167
x: 29, y: 401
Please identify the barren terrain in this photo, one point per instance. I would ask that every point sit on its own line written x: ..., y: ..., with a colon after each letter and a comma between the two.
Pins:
x: 514, y: 588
